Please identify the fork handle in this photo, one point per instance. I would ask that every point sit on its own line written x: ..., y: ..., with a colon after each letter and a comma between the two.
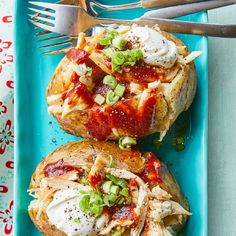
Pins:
x: 177, y: 26
x: 165, y: 3
x: 181, y: 10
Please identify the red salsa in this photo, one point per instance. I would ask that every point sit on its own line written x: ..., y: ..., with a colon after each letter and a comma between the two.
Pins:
x: 152, y: 169
x: 59, y: 168
x: 94, y: 180
x: 79, y: 91
x: 79, y: 56
x: 140, y: 73
x: 98, y: 124
x: 123, y: 116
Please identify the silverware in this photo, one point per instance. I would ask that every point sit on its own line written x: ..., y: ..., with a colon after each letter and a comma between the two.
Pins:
x: 94, y: 8
x: 70, y: 20
x: 181, y: 10
x: 50, y: 22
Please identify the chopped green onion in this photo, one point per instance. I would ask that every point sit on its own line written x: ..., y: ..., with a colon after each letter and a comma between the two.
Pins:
x: 107, y: 186
x: 108, y: 52
x: 105, y: 41
x: 106, y: 200
x: 99, y: 99
x: 119, y: 42
x: 124, y: 192
x: 121, y: 200
x: 115, y: 189
x: 111, y: 98
x: 76, y: 220
x: 84, y: 180
x: 119, y: 90
x: 112, y: 197
x: 117, y: 181
x: 136, y: 54
x: 128, y: 200
x: 83, y: 192
x: 116, y: 233
x: 127, y: 142
x: 96, y: 209
x: 118, y: 58
x: 111, y: 164
x: 179, y: 143
x: 110, y: 81
x: 129, y: 63
x: 112, y: 178
x: 84, y: 203
x: 180, y: 140
x: 89, y: 70
x: 123, y: 58
x: 112, y: 33
x: 179, y: 147
x: 95, y: 198
x: 122, y: 183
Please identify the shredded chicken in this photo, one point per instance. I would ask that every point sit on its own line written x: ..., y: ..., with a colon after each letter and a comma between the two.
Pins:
x: 54, y: 99
x: 141, y: 207
x: 159, y: 193
x: 99, y: 165
x: 151, y: 205
x: 115, y: 132
x: 125, y: 174
x: 42, y: 201
x: 192, y: 56
x: 79, y: 106
x: 157, y: 229
x: 134, y: 194
x: 154, y: 209
x: 59, y: 183
x: 161, y: 209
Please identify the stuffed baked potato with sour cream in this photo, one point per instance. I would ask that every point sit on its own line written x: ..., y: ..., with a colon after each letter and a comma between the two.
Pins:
x: 95, y: 188
x: 125, y: 81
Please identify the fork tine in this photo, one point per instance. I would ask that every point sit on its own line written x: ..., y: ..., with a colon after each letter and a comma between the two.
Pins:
x: 43, y: 4
x: 52, y: 38
x: 69, y: 41
x: 43, y: 33
x: 43, y: 26
x: 60, y: 51
x: 48, y: 13
x: 39, y: 18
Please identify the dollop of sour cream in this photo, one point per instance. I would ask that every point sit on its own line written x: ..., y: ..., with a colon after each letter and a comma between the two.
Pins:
x: 157, y: 50
x: 64, y: 212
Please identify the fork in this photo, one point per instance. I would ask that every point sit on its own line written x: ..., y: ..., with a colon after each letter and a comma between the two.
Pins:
x: 66, y: 20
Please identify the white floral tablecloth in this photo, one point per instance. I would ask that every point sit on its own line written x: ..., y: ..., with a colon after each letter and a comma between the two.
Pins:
x: 6, y: 117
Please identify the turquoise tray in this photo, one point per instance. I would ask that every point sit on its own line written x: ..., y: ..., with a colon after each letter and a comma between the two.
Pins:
x: 37, y: 133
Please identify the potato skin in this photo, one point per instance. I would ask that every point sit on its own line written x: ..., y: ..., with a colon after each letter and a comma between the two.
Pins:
x: 172, y: 99
x: 82, y: 152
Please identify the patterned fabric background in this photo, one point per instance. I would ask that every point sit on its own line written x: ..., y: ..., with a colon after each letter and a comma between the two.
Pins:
x: 6, y: 117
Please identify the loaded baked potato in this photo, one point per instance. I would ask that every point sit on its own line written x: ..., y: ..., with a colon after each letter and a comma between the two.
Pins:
x: 125, y: 81
x: 95, y: 188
